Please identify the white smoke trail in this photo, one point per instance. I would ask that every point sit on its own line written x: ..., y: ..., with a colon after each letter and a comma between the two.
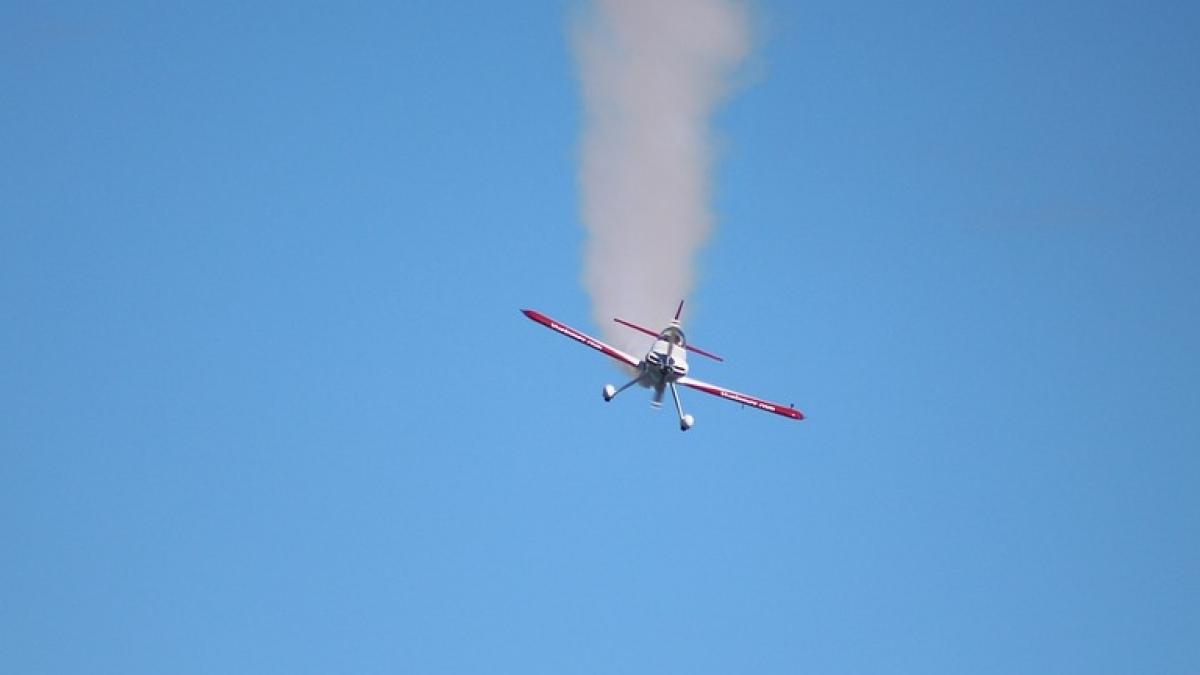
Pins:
x: 652, y: 72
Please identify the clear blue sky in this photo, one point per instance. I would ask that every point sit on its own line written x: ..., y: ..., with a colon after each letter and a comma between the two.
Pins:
x: 269, y: 405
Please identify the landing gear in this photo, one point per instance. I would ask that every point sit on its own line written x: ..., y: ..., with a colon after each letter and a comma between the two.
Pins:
x: 610, y: 392
x: 685, y: 421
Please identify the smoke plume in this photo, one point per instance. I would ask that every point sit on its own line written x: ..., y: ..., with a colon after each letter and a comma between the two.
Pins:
x: 652, y: 72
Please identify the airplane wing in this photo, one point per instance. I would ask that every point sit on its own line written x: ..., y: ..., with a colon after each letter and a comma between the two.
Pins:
x: 581, y: 337
x: 744, y: 399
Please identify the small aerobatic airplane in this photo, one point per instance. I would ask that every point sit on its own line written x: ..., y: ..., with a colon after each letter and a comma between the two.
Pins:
x: 665, y: 365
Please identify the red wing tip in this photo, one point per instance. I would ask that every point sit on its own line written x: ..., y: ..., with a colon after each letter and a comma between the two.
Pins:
x: 537, y: 316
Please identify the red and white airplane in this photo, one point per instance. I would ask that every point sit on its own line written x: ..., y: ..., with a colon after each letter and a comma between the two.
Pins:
x: 665, y: 365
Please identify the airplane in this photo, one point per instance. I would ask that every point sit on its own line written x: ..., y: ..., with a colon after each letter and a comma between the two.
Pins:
x: 665, y: 365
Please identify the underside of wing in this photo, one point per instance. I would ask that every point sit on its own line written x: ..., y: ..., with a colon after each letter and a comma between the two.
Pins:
x: 581, y: 337
x: 744, y: 399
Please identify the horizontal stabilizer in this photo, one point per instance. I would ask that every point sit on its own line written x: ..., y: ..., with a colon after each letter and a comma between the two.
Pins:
x: 653, y: 334
x: 701, y: 352
x: 636, y: 327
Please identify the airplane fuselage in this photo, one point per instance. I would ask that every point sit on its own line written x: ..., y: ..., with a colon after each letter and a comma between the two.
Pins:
x: 665, y: 362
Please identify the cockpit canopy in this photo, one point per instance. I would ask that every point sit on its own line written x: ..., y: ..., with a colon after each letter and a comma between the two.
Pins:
x: 673, y: 335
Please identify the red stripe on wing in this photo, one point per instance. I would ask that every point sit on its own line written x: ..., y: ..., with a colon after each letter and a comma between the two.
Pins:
x: 744, y: 399
x: 580, y: 337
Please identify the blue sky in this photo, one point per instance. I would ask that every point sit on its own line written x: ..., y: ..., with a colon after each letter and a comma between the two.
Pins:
x: 271, y: 406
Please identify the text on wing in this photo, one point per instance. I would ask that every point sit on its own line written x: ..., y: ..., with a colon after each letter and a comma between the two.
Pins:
x: 746, y: 401
x: 582, y: 338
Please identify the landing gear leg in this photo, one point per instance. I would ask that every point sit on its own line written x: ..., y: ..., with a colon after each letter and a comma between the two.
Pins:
x: 610, y: 392
x: 685, y: 421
